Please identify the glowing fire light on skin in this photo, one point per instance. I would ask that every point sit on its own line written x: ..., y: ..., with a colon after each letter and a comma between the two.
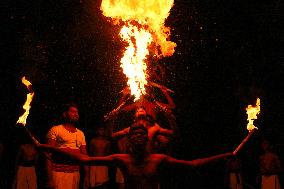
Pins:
x: 22, y: 119
x: 252, y: 112
x: 150, y: 15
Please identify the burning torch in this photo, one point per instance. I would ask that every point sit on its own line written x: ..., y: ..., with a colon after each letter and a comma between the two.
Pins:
x: 27, y: 106
x: 252, y: 112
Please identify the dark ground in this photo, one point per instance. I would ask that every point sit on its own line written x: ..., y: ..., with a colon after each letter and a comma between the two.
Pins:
x: 228, y: 54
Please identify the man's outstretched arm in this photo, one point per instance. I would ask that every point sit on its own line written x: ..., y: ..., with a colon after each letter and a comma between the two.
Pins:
x: 197, y: 162
x: 79, y: 157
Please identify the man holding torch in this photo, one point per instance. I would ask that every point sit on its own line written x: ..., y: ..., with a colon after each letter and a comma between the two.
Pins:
x: 66, y: 136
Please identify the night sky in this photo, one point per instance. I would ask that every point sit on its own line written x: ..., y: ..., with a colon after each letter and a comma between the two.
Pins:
x: 228, y: 53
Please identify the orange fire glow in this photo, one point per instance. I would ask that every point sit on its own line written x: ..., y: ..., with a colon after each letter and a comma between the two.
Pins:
x: 149, y: 17
x: 252, y: 112
x: 22, y: 119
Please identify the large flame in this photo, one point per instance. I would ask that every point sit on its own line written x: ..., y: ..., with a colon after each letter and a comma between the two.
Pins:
x: 149, y: 16
x: 252, y: 112
x: 151, y: 13
x: 132, y: 62
x: 22, y: 119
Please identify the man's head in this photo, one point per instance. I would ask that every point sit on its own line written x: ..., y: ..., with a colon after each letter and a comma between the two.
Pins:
x: 140, y: 111
x: 71, y: 113
x: 138, y: 133
x: 265, y: 144
x: 101, y: 131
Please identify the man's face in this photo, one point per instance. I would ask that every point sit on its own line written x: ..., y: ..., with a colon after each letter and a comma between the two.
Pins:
x: 138, y: 136
x: 101, y: 131
x: 140, y: 111
x: 72, y: 114
x: 264, y: 144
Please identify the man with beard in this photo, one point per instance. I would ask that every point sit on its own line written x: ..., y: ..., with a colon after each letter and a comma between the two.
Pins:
x: 140, y: 168
x: 66, y: 136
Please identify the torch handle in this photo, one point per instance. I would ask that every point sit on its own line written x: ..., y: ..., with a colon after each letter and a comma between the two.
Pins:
x: 244, y: 142
x: 36, y: 142
x: 160, y: 86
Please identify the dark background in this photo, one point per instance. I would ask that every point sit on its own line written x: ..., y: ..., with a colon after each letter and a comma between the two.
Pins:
x: 228, y: 54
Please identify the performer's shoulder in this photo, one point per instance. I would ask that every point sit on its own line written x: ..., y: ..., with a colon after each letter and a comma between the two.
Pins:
x: 80, y: 131
x: 55, y: 127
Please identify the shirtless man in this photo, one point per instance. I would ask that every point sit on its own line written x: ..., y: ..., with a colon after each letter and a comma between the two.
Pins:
x: 139, y: 167
x: 99, y: 147
x: 154, y: 130
x: 270, y: 166
x: 25, y: 166
x: 147, y: 108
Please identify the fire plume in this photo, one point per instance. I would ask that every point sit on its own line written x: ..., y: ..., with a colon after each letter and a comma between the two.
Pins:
x: 132, y: 62
x: 150, y: 13
x: 149, y: 17
x: 22, y: 119
x: 252, y: 112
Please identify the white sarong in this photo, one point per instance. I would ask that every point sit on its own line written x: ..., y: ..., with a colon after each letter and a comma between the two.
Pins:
x: 26, y: 178
x: 98, y: 175
x: 66, y: 180
x: 270, y: 182
x: 236, y: 181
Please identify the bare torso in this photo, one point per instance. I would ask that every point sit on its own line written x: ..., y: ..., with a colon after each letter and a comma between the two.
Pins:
x: 269, y: 164
x: 28, y: 152
x: 140, y: 174
x: 100, y: 147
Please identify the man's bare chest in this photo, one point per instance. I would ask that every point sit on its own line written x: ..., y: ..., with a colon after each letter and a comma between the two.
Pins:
x: 142, y: 169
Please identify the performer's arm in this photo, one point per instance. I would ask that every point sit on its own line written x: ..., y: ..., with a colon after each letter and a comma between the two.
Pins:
x: 79, y: 157
x: 198, y: 162
x: 121, y: 105
x: 129, y: 107
x: 169, y: 115
x: 167, y: 108
x: 50, y: 180
x: 125, y: 95
x: 120, y: 134
x: 83, y: 150
x: 172, y: 122
x: 162, y: 131
x: 171, y: 103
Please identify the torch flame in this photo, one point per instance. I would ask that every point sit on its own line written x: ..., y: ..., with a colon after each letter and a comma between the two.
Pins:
x: 22, y: 119
x: 149, y: 15
x: 252, y: 112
